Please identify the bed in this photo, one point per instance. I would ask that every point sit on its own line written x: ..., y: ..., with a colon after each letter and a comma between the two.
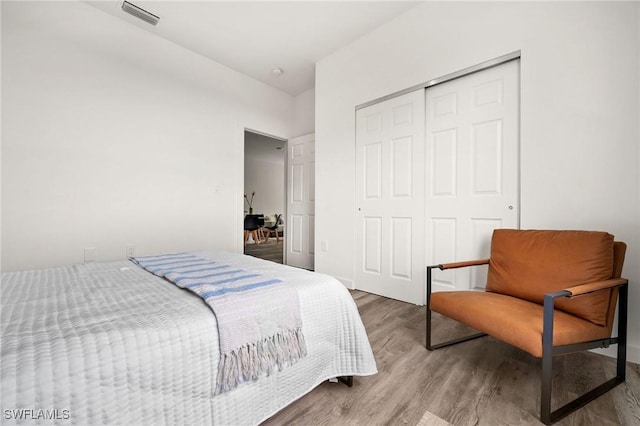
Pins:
x: 110, y: 343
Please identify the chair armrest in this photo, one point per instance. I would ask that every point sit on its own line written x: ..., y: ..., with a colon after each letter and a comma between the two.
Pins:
x: 597, y: 286
x: 549, y: 301
x: 454, y: 265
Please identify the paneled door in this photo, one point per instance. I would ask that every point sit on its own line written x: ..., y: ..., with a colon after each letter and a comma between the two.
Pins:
x: 300, y: 225
x: 472, y: 180
x: 389, y: 232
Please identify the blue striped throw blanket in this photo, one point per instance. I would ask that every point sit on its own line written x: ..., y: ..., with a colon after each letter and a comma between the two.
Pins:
x: 258, y: 317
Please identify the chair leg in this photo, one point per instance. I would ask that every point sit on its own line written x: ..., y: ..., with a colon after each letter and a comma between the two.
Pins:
x: 428, y: 321
x: 549, y: 417
x: 623, y: 298
x: 545, y: 390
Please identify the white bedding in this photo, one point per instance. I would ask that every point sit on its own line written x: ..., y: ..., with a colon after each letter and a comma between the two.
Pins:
x: 113, y: 344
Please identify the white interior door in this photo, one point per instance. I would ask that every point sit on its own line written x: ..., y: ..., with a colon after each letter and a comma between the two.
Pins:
x: 300, y: 225
x: 472, y: 183
x: 390, y: 198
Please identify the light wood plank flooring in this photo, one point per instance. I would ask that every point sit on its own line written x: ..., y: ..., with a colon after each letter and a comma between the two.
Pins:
x: 481, y: 382
x: 270, y: 250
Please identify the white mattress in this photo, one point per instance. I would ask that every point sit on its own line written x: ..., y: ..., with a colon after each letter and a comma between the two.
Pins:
x: 114, y: 344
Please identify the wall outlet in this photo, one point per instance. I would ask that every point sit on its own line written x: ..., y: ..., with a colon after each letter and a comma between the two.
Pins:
x: 89, y: 254
x: 130, y: 251
x: 324, y: 245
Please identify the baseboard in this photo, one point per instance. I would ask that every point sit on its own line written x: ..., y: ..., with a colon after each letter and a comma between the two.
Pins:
x: 633, y: 352
x: 348, y: 283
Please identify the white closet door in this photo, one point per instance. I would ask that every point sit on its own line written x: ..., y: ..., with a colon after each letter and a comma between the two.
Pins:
x: 389, y: 232
x: 301, y: 199
x: 472, y: 183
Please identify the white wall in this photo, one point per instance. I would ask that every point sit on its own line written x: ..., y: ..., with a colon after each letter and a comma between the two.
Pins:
x: 579, y: 113
x: 267, y: 180
x: 112, y: 136
x: 264, y: 173
x: 304, y: 113
x: 0, y: 142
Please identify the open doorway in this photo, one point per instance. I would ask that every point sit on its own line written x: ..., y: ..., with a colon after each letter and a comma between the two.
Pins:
x: 264, y: 188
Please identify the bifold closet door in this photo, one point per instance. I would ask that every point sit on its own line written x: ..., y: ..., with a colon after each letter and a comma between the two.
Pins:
x: 472, y: 180
x: 389, y: 234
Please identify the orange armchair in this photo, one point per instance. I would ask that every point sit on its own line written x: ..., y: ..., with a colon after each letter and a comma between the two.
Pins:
x: 548, y: 293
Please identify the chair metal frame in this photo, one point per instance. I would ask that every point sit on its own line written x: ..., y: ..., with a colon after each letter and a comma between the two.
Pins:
x: 547, y: 416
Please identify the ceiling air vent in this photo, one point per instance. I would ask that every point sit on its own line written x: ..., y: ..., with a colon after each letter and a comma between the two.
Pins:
x: 140, y: 13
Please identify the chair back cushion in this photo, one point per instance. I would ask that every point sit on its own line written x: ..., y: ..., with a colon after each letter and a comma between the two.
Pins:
x: 529, y: 263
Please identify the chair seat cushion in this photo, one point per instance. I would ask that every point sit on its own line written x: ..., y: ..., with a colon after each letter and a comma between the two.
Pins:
x: 513, y: 320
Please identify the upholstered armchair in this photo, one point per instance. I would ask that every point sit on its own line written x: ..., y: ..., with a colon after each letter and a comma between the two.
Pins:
x: 547, y: 293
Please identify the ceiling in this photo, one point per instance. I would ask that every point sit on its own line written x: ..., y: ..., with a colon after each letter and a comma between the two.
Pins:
x: 256, y: 37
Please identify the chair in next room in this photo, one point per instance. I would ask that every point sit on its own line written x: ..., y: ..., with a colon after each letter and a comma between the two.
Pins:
x: 273, y: 228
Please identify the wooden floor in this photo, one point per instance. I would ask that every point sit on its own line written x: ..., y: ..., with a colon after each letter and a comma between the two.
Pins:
x: 481, y: 382
x: 270, y: 250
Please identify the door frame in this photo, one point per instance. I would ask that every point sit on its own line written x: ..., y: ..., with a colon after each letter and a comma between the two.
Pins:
x: 448, y: 77
x: 240, y: 204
